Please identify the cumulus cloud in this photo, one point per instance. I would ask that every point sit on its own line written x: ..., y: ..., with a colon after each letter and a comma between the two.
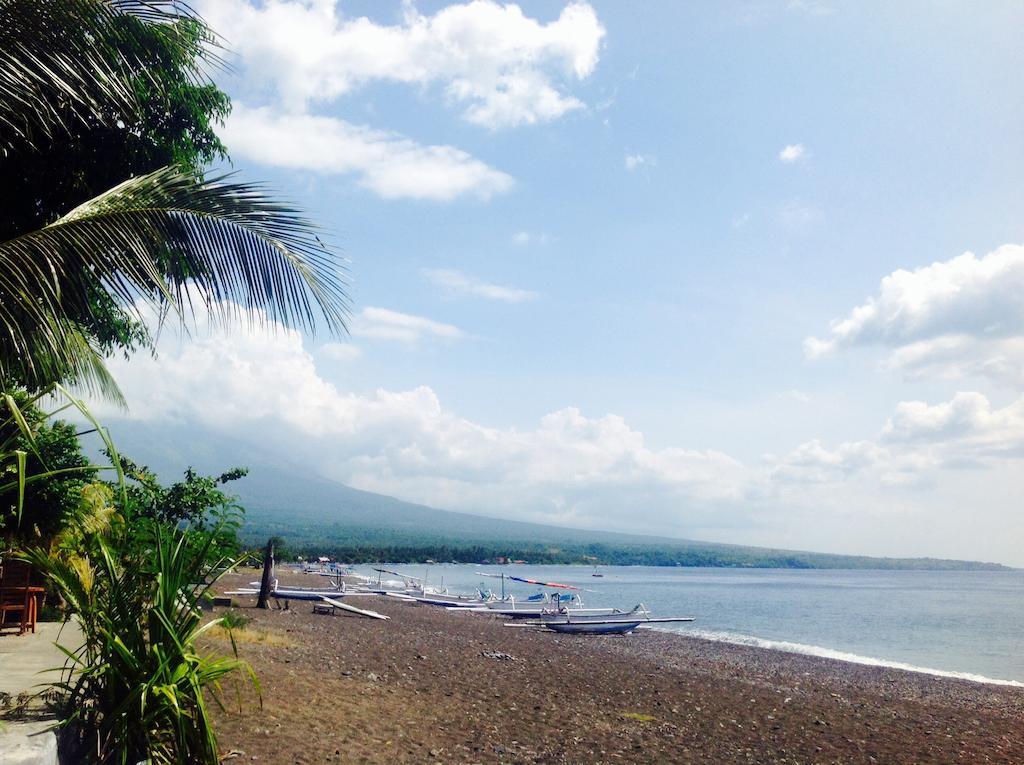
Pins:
x: 967, y: 425
x: 500, y: 66
x: 385, y: 324
x: 636, y: 161
x: 918, y: 440
x: 455, y: 282
x: 954, y: 318
x: 792, y: 153
x: 852, y: 462
x: 567, y: 467
x: 386, y: 163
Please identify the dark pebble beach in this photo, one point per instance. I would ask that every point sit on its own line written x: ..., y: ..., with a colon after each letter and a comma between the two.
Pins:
x: 432, y: 685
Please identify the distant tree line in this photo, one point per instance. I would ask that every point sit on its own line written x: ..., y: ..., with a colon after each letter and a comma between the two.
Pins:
x: 411, y: 551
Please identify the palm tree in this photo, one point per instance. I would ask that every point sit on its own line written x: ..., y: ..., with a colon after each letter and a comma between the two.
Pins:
x: 161, y: 240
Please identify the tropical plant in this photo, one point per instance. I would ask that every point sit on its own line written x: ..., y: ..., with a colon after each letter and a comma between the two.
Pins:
x: 213, y: 516
x: 188, y: 501
x: 163, y: 112
x: 50, y: 445
x: 80, y: 284
x: 138, y: 687
x: 42, y: 463
x: 109, y: 101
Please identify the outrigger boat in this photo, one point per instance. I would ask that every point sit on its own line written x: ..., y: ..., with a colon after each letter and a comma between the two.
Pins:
x: 328, y: 596
x: 448, y: 600
x: 620, y: 623
x: 292, y: 593
x: 416, y: 589
x: 513, y: 610
x: 534, y: 606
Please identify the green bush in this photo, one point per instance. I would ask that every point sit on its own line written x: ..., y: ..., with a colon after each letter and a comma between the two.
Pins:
x: 233, y: 620
x: 137, y: 688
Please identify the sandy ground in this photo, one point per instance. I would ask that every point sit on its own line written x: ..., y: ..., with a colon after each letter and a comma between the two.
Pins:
x: 425, y: 687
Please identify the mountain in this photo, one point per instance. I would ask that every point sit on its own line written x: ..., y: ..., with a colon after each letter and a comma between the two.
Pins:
x: 315, y: 515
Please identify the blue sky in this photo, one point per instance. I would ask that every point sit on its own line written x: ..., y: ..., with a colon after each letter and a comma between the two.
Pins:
x: 597, y: 251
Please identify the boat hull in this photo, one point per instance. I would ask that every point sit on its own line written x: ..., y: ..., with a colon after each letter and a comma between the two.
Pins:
x: 592, y: 628
x: 535, y: 612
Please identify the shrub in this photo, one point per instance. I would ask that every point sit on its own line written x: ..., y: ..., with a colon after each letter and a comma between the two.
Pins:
x: 137, y: 688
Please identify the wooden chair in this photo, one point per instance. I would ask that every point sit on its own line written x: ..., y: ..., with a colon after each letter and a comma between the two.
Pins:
x: 16, y: 597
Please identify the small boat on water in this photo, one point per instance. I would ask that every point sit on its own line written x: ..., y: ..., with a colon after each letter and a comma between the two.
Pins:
x: 619, y: 623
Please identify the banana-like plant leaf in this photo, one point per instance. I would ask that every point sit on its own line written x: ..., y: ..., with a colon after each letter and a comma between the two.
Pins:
x: 163, y: 239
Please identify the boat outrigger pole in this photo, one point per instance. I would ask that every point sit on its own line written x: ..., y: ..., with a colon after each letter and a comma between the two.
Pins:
x: 531, y: 581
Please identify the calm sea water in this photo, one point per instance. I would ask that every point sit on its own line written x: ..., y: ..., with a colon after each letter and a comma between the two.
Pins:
x: 951, y: 622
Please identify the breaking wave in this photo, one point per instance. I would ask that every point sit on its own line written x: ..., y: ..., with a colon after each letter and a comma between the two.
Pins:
x: 832, y: 653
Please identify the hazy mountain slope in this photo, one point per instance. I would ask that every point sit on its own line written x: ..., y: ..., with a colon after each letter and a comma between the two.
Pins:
x: 315, y: 513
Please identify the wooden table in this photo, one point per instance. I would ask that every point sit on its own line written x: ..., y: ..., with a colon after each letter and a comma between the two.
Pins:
x: 33, y: 594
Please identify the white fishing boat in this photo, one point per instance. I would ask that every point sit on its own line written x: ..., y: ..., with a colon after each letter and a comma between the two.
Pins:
x: 292, y: 593
x: 534, y: 605
x: 411, y: 586
x: 451, y: 600
x: 620, y: 623
x: 517, y: 609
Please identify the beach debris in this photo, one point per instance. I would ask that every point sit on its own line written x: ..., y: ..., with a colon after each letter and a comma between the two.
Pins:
x: 497, y: 655
x: 353, y: 609
x: 639, y: 717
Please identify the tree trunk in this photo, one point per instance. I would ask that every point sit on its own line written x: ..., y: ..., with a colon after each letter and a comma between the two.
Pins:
x: 268, y: 568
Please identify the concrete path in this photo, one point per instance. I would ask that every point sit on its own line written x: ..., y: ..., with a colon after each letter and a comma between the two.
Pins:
x: 24, y: 660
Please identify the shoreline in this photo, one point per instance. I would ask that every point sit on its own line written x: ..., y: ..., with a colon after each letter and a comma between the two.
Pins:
x: 836, y: 654
x: 435, y: 685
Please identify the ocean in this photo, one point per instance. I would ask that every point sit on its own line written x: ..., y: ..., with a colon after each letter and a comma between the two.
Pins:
x: 967, y: 624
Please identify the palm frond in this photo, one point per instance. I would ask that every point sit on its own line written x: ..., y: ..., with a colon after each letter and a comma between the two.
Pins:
x: 164, y: 239
x: 63, y: 60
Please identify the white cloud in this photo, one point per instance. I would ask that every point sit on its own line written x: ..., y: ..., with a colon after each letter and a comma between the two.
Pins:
x: 917, y: 442
x: 812, y: 462
x: 388, y: 164
x: 341, y: 351
x: 501, y: 66
x: 457, y: 283
x: 569, y: 466
x: 579, y: 470
x: 635, y: 161
x: 955, y: 318
x: 792, y: 153
x: 385, y: 324
x: 967, y: 425
x: 523, y: 238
